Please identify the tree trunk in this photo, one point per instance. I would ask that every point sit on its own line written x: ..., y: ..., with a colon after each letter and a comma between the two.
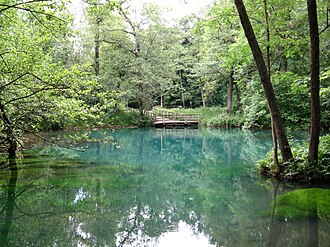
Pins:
x: 230, y: 91
x: 328, y: 13
x: 278, y: 168
x: 202, y: 93
x: 182, y: 90
x: 97, y: 48
x: 274, y: 137
x: 10, y: 133
x: 283, y: 63
x: 139, y: 87
x: 203, y: 98
x: 315, y: 83
x: 139, y: 84
x: 238, y: 97
x: 267, y: 37
x: 265, y: 80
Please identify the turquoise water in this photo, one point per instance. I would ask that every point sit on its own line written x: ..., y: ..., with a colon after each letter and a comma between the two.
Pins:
x: 158, y: 187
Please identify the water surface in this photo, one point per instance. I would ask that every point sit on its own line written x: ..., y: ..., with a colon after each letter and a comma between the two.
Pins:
x: 158, y: 187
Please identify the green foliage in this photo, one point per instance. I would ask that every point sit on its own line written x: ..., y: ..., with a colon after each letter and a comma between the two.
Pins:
x: 3, y: 159
x: 255, y: 107
x: 121, y: 117
x: 188, y: 64
x: 225, y: 120
x: 300, y: 169
x: 41, y: 85
x: 47, y: 72
x: 303, y: 204
x: 135, y: 59
x: 324, y: 155
x: 325, y: 98
x: 292, y: 92
x: 127, y: 118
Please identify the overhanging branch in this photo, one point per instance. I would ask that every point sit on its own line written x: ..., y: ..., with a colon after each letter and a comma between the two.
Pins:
x: 8, y: 6
x: 20, y: 6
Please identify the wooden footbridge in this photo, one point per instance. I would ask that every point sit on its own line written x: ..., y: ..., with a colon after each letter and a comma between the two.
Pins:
x: 166, y: 119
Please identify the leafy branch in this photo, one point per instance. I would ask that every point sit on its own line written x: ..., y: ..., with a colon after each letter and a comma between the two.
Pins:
x: 21, y: 6
x: 17, y: 5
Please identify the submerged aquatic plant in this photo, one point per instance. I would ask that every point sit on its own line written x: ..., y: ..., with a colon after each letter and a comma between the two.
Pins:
x: 302, y: 204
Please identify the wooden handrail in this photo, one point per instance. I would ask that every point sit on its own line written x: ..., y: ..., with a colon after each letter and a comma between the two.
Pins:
x: 174, y: 116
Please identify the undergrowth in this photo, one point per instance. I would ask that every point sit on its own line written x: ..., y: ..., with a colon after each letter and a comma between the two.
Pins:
x: 127, y: 118
x: 300, y: 169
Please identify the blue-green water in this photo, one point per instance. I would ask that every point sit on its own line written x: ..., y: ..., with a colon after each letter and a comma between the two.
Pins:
x: 155, y: 187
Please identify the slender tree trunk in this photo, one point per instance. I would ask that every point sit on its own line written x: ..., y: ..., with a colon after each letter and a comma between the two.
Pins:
x: 328, y: 13
x: 314, y: 83
x: 278, y: 168
x: 139, y: 75
x: 238, y: 97
x: 203, y: 98
x: 265, y: 80
x: 182, y: 90
x: 139, y: 85
x: 283, y: 63
x: 267, y: 37
x: 97, y: 48
x: 274, y: 137
x: 10, y: 133
x: 230, y: 91
x: 202, y: 93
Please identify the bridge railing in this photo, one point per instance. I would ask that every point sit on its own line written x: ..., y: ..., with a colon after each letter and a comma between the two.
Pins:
x: 174, y: 116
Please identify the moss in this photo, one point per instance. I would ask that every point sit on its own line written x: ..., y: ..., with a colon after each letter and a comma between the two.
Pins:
x: 301, y: 204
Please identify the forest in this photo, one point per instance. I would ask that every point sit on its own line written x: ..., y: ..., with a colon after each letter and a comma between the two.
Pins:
x: 82, y: 164
x: 60, y: 69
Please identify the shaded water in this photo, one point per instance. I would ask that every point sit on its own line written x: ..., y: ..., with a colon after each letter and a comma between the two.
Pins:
x: 159, y: 188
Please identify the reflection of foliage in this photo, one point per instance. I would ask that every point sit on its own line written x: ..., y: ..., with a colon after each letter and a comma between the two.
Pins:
x: 145, y: 186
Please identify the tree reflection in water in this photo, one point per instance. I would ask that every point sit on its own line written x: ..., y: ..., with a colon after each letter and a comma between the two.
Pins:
x: 159, y: 185
x: 9, y: 204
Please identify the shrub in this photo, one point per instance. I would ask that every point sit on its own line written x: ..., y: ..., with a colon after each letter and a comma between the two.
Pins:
x: 300, y: 168
x: 226, y: 121
x: 127, y: 118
